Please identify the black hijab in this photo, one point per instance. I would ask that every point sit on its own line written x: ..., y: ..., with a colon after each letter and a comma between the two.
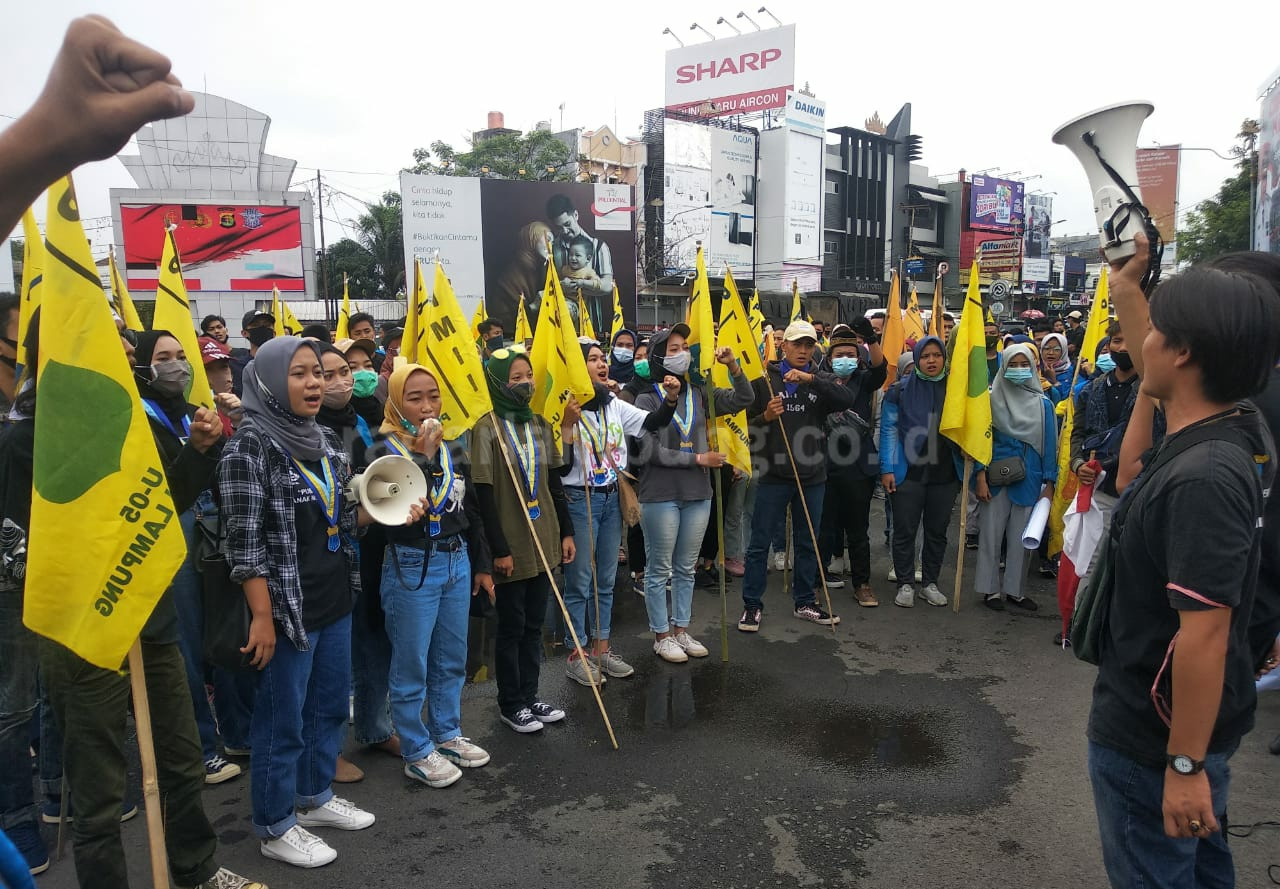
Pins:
x: 601, y: 398
x: 174, y: 406
x: 622, y: 371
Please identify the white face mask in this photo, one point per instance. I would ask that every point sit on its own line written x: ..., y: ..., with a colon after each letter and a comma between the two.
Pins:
x: 677, y: 363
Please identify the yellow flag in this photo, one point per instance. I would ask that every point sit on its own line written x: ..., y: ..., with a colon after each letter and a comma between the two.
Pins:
x: 939, y: 309
x: 735, y: 330
x: 523, y: 334
x: 912, y: 321
x: 755, y: 316
x: 448, y: 351
x: 701, y: 321
x: 120, y: 297
x: 292, y: 326
x: 276, y: 311
x: 559, y: 370
x: 769, y: 351
x: 1095, y: 329
x: 104, y: 538
x: 33, y: 260
x: 478, y: 318
x: 173, y: 313
x: 585, y: 327
x: 344, y: 316
x: 618, y: 323
x: 966, y: 412
x: 796, y: 311
x: 418, y: 305
x: 894, y: 338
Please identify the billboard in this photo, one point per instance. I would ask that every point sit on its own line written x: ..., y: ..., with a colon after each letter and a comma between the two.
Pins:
x: 224, y: 247
x: 1158, y: 180
x: 995, y: 204
x: 491, y: 236
x: 1266, y: 220
x: 709, y: 195
x: 733, y: 75
x: 998, y: 256
x: 1039, y: 216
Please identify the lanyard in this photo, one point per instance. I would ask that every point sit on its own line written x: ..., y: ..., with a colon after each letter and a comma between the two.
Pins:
x: 598, y: 438
x: 685, y: 426
x: 154, y: 412
x: 528, y: 457
x: 441, y: 485
x: 327, y: 494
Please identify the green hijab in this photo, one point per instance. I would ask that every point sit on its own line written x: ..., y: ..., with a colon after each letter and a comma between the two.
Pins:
x: 497, y: 371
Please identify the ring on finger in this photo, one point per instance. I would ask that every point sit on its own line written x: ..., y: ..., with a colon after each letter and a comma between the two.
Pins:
x: 1195, y: 826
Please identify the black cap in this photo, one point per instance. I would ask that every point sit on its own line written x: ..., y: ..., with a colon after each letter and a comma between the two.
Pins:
x: 254, y: 314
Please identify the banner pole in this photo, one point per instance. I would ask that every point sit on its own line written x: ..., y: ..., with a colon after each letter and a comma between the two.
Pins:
x: 147, y: 753
x: 964, y: 522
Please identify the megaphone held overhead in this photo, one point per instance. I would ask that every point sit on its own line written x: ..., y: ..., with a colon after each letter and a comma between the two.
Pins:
x: 388, y: 488
x: 1105, y: 142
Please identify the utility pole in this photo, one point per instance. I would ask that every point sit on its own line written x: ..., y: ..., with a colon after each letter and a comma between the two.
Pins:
x: 324, y: 256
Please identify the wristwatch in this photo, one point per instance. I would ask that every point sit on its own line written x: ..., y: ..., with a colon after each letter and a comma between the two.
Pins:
x: 1185, y: 765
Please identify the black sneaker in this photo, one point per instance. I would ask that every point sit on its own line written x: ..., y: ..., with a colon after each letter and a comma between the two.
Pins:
x: 971, y: 541
x: 1026, y: 603
x: 1062, y: 641
x: 750, y: 620
x: 1048, y: 568
x: 815, y: 615
x: 995, y: 603
x: 26, y: 837
x: 707, y: 578
x: 523, y: 721
x: 546, y: 713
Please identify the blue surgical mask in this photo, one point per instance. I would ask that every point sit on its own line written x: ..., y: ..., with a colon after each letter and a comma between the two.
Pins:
x: 622, y: 354
x: 1105, y: 363
x: 844, y: 367
x: 1018, y: 375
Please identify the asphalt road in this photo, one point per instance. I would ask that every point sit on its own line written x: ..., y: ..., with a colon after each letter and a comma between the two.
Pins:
x: 910, y: 748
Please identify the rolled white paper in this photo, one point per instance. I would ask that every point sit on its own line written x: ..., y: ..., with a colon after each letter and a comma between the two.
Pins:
x: 1034, y: 532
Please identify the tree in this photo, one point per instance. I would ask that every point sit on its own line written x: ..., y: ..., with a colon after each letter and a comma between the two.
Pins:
x: 346, y: 257
x: 535, y: 155
x: 1221, y: 224
x: 381, y: 235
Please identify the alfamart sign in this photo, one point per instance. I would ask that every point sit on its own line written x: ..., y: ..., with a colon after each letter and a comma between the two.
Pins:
x: 735, y: 75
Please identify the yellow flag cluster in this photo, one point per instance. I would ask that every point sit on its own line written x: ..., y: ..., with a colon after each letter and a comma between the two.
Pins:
x: 559, y: 370
x: 173, y: 313
x: 97, y: 478
x: 120, y: 297
x: 966, y: 412
x: 286, y: 323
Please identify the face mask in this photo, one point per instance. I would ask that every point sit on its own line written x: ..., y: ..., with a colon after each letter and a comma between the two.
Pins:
x: 363, y: 383
x: 932, y: 379
x: 521, y: 392
x: 1018, y: 375
x: 844, y: 367
x: 642, y: 367
x: 260, y: 335
x: 1123, y: 361
x: 623, y: 354
x: 992, y: 341
x: 338, y: 393
x: 676, y: 364
x: 1106, y: 363
x: 493, y: 344
x: 171, y: 377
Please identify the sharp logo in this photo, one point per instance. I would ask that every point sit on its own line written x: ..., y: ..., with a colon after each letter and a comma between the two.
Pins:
x: 729, y: 65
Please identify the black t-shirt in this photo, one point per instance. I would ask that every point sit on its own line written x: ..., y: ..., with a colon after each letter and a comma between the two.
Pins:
x: 1187, y: 537
x: 326, y: 590
x: 1117, y: 394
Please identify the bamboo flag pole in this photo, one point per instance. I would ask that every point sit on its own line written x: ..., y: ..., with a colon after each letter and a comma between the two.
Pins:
x: 964, y: 522
x: 147, y: 753
x: 546, y: 566
x: 719, y: 489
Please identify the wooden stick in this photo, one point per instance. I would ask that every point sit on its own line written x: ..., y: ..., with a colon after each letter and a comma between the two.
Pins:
x: 147, y: 752
x: 964, y: 521
x: 720, y: 517
x: 546, y: 565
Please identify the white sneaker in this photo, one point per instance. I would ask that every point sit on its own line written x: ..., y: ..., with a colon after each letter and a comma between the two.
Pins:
x: 669, y: 650
x: 893, y: 575
x: 690, y: 645
x: 338, y: 813
x: 919, y: 576
x: 837, y: 565
x: 298, y: 847
x: 933, y: 595
x: 433, y: 770
x: 462, y: 753
x: 779, y: 561
x: 906, y: 597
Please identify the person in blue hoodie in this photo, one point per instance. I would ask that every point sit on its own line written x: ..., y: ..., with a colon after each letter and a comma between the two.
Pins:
x: 1023, y: 426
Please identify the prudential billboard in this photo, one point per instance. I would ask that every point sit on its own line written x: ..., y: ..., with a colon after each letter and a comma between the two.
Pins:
x: 734, y: 75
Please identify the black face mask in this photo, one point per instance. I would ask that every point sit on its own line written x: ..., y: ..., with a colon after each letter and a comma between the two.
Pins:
x: 493, y: 344
x: 992, y: 341
x: 1123, y: 361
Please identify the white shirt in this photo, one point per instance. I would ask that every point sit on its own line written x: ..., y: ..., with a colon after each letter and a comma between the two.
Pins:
x: 620, y: 419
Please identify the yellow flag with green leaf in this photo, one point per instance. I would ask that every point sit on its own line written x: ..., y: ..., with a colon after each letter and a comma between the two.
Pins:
x: 894, y: 339
x: 173, y: 313
x: 447, y: 349
x: 120, y: 297
x: 523, y: 334
x: 559, y: 369
x: 32, y: 277
x: 344, y: 316
x: 701, y: 321
x: 98, y: 484
x: 966, y: 412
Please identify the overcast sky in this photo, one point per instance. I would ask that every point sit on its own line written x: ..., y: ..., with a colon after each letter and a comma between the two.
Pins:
x: 353, y: 88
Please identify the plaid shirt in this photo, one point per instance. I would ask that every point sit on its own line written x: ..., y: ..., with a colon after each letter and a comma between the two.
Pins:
x: 258, y: 486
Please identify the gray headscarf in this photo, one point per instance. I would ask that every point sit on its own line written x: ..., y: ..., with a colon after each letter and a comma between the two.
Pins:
x: 266, y: 399
x: 1017, y: 409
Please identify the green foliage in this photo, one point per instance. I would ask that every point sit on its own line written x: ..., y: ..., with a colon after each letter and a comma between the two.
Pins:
x: 1219, y: 224
x: 374, y: 263
x: 535, y: 155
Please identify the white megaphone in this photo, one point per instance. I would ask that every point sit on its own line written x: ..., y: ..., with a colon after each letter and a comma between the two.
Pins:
x: 1106, y: 144
x: 388, y: 487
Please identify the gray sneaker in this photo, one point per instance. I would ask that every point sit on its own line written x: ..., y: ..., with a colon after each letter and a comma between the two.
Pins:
x: 933, y: 595
x: 612, y: 665
x: 583, y: 671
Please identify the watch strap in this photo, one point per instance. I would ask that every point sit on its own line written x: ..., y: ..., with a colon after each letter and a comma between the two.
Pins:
x: 1197, y: 765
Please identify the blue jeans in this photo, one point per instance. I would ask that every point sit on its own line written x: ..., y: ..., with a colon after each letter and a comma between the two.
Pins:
x: 428, y: 629
x: 606, y: 531
x: 298, y: 721
x: 770, y: 515
x: 370, y: 646
x: 672, y: 537
x: 1129, y: 798
x: 18, y: 699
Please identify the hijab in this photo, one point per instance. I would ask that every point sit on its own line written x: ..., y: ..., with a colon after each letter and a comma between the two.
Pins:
x: 174, y: 406
x: 266, y: 399
x: 496, y: 373
x: 919, y: 403
x: 1017, y: 409
x: 657, y: 359
x: 602, y: 396
x: 622, y: 371
x: 393, y: 410
x: 1064, y: 363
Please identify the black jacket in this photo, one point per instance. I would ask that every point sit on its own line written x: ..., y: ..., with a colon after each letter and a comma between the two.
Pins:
x: 803, y: 417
